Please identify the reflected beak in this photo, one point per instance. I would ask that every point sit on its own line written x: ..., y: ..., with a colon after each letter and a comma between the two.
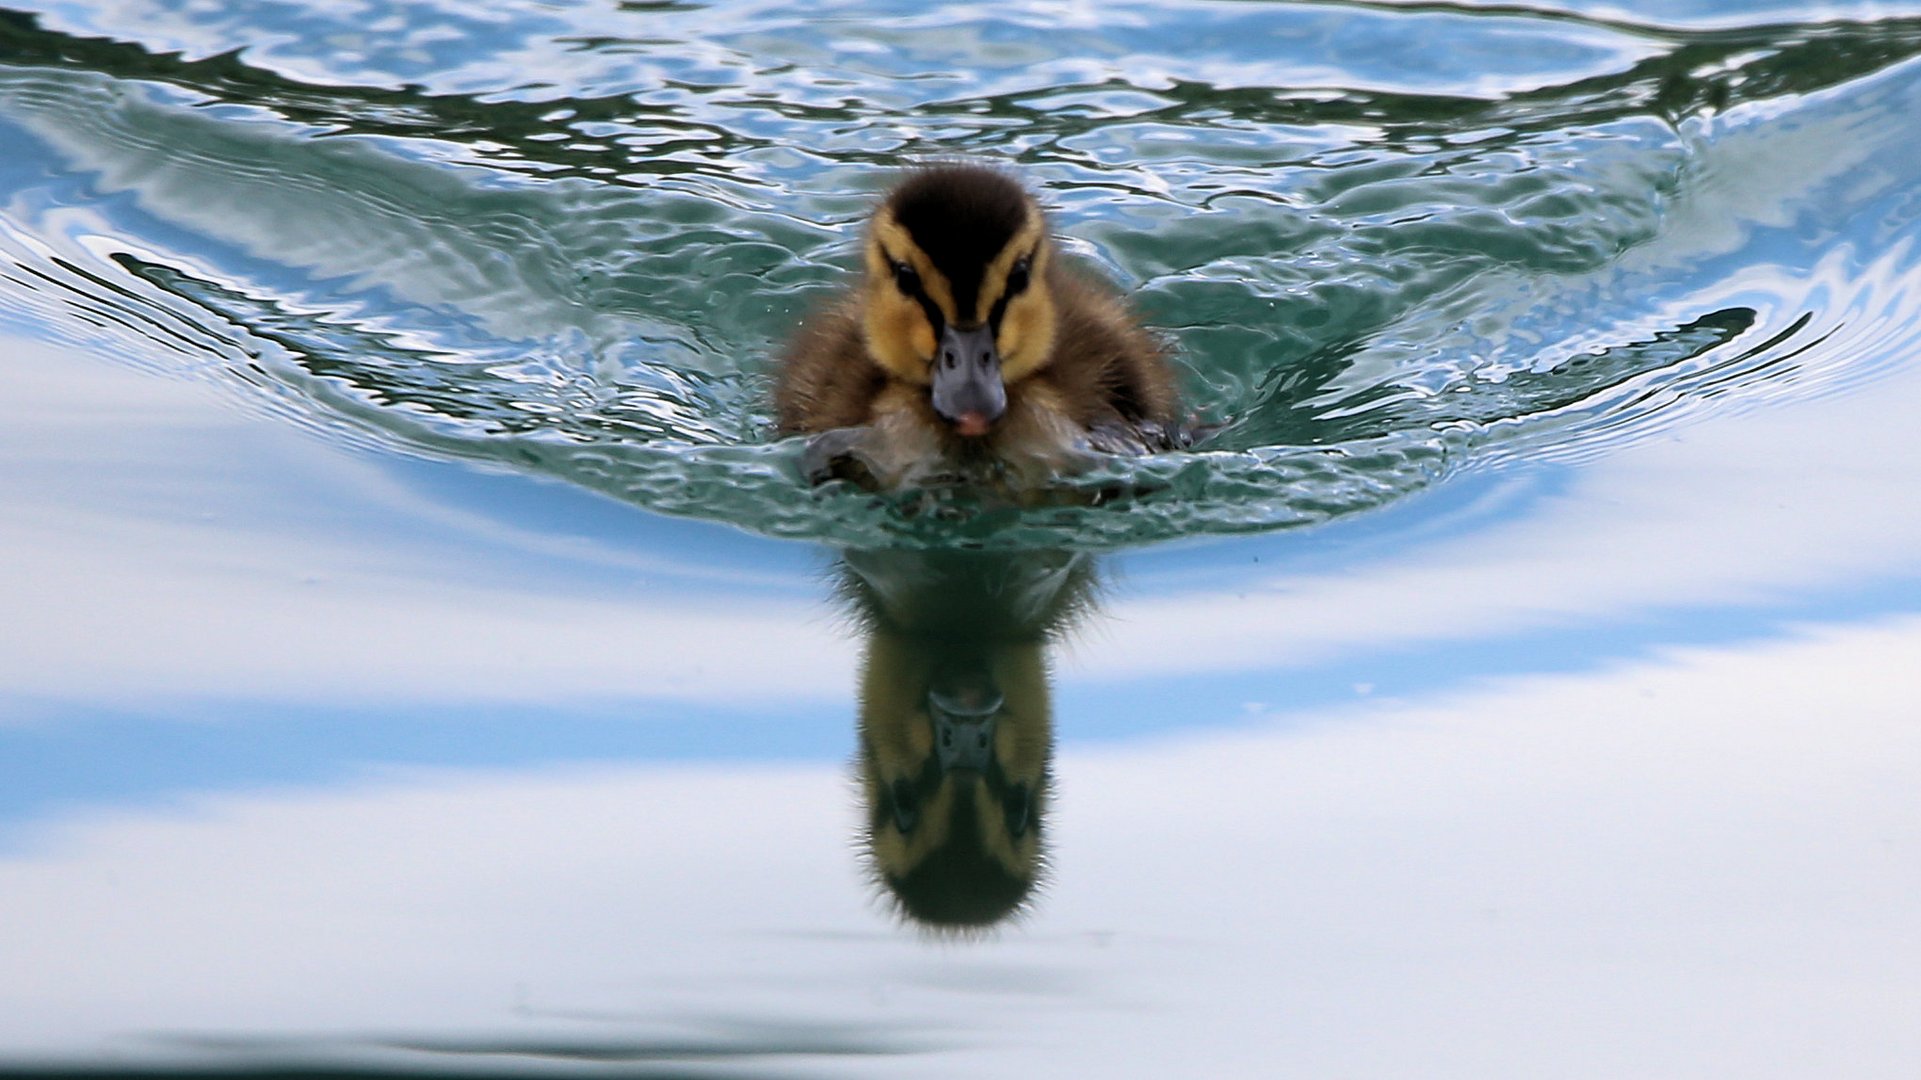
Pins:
x: 968, y: 392
x: 964, y: 717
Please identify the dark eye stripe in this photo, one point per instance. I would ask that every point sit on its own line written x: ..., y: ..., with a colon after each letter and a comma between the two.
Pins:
x: 907, y: 279
x: 934, y: 317
x: 1018, y: 278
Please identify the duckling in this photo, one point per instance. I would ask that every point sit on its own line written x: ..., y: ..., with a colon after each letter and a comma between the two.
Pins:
x: 969, y: 350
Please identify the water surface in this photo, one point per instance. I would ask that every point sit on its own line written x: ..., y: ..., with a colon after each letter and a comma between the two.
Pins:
x: 410, y: 662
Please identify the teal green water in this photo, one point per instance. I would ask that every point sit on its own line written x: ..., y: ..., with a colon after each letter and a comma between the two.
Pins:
x: 569, y: 239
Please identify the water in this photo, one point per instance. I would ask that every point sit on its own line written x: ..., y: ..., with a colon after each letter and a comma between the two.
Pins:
x: 1376, y: 282
x: 411, y: 662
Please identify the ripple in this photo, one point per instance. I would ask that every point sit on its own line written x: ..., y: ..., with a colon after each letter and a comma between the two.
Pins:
x: 571, y: 249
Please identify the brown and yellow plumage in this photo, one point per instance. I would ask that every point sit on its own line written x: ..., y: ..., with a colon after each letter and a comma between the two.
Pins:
x: 968, y: 343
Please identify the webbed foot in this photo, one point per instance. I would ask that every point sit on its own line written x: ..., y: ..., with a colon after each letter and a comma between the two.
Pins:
x: 837, y: 454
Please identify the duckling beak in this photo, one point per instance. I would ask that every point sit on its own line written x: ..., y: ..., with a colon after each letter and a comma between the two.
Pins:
x: 967, y: 380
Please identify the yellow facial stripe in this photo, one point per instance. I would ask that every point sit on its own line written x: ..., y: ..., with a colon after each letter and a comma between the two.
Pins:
x: 900, y: 854
x: 892, y: 241
x: 1025, y: 244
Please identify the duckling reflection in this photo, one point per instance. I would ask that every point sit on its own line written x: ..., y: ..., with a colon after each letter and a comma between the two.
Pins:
x: 956, y: 724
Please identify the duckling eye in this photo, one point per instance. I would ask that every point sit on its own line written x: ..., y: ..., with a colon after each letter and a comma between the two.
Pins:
x: 1017, y: 278
x: 906, y: 806
x: 907, y: 279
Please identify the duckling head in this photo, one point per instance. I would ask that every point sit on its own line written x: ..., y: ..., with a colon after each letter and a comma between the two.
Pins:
x: 955, y: 298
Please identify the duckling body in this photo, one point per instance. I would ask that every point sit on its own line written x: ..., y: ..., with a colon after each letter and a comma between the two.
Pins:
x: 968, y: 349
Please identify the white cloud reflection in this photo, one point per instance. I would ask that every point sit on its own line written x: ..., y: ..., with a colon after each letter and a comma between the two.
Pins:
x: 158, y: 546
x: 1702, y: 864
x: 1732, y: 510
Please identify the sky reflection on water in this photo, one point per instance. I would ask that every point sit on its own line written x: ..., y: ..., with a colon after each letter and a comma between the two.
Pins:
x: 1547, y: 830
x: 1694, y: 863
